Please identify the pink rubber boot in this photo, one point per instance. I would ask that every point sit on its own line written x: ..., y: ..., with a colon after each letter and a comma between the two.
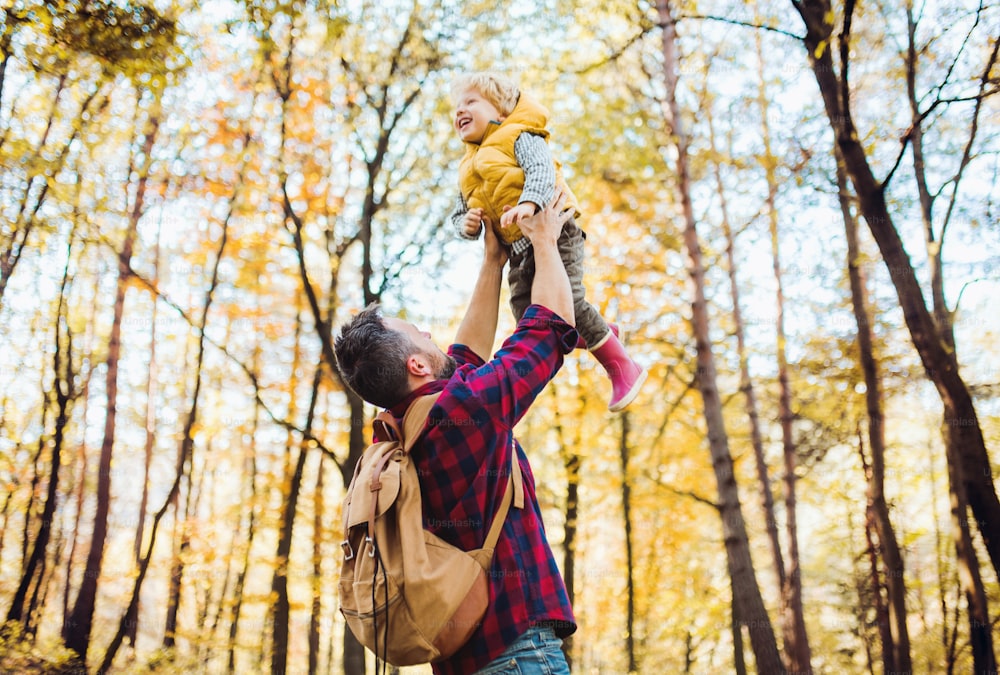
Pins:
x: 626, y: 375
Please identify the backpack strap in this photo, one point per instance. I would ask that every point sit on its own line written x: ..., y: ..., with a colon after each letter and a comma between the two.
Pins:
x: 413, y: 423
x: 415, y: 418
x: 514, y: 493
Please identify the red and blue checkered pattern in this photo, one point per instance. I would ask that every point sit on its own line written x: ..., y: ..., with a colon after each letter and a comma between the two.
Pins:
x: 463, y: 460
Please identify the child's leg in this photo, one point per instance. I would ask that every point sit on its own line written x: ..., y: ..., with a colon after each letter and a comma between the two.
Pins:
x: 625, y: 374
x: 589, y: 322
x: 520, y: 273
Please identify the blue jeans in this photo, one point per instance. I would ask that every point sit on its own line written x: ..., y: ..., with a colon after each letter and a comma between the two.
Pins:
x: 537, y: 652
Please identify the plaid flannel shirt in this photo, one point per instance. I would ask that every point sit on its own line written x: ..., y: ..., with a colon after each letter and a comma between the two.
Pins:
x: 463, y: 460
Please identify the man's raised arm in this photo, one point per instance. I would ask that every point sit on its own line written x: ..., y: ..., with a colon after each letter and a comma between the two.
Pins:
x: 550, y: 287
x: 479, y: 326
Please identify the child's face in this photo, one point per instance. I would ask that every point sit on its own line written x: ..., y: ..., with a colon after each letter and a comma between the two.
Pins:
x: 473, y: 113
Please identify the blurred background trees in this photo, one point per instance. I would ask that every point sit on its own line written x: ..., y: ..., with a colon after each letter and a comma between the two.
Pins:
x: 790, y: 207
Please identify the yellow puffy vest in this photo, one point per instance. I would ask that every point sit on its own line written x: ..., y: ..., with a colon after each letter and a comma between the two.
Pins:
x: 489, y: 175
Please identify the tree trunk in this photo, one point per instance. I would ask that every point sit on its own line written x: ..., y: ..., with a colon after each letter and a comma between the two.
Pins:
x: 77, y: 628
x: 290, y: 481
x: 940, y: 364
x: 279, y: 581
x: 970, y: 579
x: 874, y: 596
x: 748, y: 599
x: 185, y: 448
x: 80, y: 469
x: 177, y: 563
x: 63, y: 376
x: 354, y: 651
x: 572, y: 461
x: 623, y: 453
x: 315, y: 615
x: 77, y: 515
x: 797, y: 652
x: 736, y: 630
x: 150, y: 424
x: 249, y: 472
x: 981, y: 634
x: 968, y: 463
x: 896, y: 652
x: 746, y: 382
x: 36, y: 478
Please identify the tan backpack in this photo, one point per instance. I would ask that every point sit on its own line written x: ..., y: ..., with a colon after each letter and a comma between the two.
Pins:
x: 406, y: 594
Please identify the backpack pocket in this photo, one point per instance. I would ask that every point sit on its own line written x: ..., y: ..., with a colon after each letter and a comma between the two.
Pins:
x: 377, y: 614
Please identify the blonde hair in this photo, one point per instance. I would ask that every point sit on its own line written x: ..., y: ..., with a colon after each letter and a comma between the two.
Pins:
x: 498, y: 89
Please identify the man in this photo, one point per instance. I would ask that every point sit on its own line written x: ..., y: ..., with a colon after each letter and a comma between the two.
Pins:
x: 463, y: 456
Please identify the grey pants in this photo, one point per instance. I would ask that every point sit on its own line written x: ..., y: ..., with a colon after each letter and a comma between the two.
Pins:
x: 591, y: 326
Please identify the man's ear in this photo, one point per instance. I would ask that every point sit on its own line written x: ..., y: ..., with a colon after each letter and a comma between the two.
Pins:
x: 419, y: 365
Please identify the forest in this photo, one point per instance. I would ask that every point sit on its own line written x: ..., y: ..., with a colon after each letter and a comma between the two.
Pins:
x: 791, y: 210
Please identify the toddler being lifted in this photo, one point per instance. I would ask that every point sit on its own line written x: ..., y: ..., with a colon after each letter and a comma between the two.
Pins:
x: 507, y: 174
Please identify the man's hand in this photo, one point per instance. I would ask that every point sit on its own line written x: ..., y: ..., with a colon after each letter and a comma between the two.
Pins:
x: 518, y: 213
x: 550, y: 287
x: 472, y: 223
x: 546, y: 225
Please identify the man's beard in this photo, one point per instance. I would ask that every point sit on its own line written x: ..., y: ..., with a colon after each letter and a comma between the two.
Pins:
x: 447, y: 368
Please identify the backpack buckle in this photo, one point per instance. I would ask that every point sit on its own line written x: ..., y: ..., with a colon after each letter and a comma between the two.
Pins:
x: 348, y: 551
x: 371, y: 547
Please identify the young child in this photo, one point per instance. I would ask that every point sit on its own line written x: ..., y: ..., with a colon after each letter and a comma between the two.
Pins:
x: 507, y: 174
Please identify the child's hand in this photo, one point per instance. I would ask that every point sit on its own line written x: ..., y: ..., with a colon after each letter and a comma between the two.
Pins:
x: 516, y: 214
x: 472, y: 223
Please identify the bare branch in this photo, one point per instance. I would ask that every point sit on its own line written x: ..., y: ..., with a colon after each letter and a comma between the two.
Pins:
x: 742, y: 24
x: 691, y: 495
x: 615, y: 53
x: 645, y: 29
x: 973, y: 130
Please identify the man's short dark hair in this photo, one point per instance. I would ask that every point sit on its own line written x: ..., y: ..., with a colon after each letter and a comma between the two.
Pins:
x: 372, y: 358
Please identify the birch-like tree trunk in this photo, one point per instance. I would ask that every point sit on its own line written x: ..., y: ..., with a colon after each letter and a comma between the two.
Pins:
x: 796, y: 640
x: 746, y: 382
x: 750, y: 604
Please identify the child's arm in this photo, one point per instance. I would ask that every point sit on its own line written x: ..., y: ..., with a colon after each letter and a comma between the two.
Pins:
x: 467, y: 222
x: 532, y: 153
